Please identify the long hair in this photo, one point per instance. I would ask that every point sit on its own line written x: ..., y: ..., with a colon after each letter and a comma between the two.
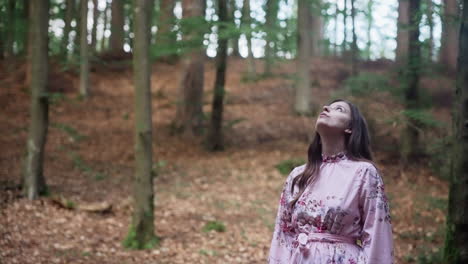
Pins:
x: 357, y: 146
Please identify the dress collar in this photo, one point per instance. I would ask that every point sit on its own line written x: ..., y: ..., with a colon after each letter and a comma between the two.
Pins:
x: 334, y: 158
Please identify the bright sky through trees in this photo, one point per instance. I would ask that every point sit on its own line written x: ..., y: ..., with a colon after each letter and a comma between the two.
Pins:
x: 383, y: 33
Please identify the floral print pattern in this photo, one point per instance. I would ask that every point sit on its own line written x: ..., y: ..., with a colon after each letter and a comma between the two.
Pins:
x: 346, y: 204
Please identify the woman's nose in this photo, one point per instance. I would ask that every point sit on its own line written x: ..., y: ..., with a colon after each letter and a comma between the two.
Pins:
x: 326, y: 108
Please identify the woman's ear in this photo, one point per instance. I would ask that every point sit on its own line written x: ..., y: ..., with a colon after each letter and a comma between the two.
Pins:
x: 348, y: 131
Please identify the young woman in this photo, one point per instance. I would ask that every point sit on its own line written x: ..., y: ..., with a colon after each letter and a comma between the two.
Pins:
x: 333, y: 209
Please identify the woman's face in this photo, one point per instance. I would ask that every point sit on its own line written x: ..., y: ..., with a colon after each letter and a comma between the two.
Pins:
x: 335, y: 118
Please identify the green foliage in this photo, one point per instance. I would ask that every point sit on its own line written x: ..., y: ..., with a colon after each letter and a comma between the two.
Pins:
x: 421, y: 118
x: 286, y: 166
x: 217, y: 226
x: 131, y: 242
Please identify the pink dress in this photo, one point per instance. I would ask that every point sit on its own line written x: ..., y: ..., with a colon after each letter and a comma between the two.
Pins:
x: 342, y: 218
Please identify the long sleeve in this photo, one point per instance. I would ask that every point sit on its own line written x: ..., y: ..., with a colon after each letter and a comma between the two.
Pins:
x: 377, y: 241
x: 280, y: 250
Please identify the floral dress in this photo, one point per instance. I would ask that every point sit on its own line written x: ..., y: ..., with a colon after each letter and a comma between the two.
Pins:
x: 342, y: 218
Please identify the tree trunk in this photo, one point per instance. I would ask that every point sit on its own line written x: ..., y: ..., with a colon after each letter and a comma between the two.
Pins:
x: 95, y: 22
x: 430, y: 23
x: 450, y: 26
x: 84, y: 60
x: 345, y: 31
x: 117, y: 36
x: 77, y: 39
x: 410, y: 144
x: 370, y: 21
x: 189, y: 113
x: 10, y: 29
x: 337, y: 13
x: 215, y: 138
x: 302, y: 103
x: 456, y: 251
x: 166, y: 38
x: 106, y: 21
x: 354, y: 48
x: 317, y: 28
x: 270, y: 24
x: 69, y: 10
x: 141, y: 233
x: 34, y: 181
x: 246, y: 22
x: 402, y: 32
x: 235, y: 37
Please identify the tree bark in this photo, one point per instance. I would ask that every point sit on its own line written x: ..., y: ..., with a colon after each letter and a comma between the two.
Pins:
x: 410, y: 137
x: 95, y: 22
x: 34, y: 181
x: 354, y: 48
x: 402, y: 32
x: 303, y: 103
x: 117, y: 36
x: 246, y: 22
x: 430, y: 23
x: 235, y: 37
x: 345, y: 31
x: 77, y: 39
x: 456, y: 251
x: 317, y: 28
x: 69, y: 10
x: 370, y: 21
x: 141, y: 233
x: 215, y: 138
x: 106, y: 21
x: 189, y: 113
x: 84, y: 60
x: 449, y: 41
x: 270, y: 24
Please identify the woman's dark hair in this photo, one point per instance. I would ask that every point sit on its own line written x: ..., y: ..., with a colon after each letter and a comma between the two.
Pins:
x: 357, y: 146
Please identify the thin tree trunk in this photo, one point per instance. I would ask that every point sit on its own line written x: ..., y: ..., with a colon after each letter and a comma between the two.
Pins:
x: 302, y: 103
x: 69, y: 10
x: 345, y: 31
x: 456, y: 251
x: 235, y: 37
x: 337, y: 12
x: 141, y: 233
x: 117, y: 36
x: 450, y: 26
x: 84, y: 60
x: 34, y: 181
x: 77, y: 39
x: 106, y: 21
x: 29, y: 36
x: 189, y: 113
x: 215, y: 138
x: 317, y: 28
x: 370, y: 21
x: 430, y: 22
x: 10, y: 39
x: 354, y: 48
x: 410, y: 138
x: 95, y: 22
x: 270, y: 24
x: 165, y: 38
x: 402, y: 32
x: 246, y: 22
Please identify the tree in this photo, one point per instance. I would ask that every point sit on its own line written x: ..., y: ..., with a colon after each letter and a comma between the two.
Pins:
x: 84, y: 60
x: 402, y: 31
x: 409, y: 138
x: 246, y: 25
x: 430, y: 23
x: 345, y: 23
x: 10, y: 36
x: 449, y: 49
x: 117, y: 36
x: 456, y: 251
x: 370, y: 20
x: 106, y: 21
x: 236, y: 35
x: 141, y: 233
x: 34, y: 182
x: 165, y: 37
x: 95, y: 22
x: 317, y: 28
x: 270, y: 25
x: 69, y: 10
x: 189, y: 113
x: 302, y: 103
x: 354, y: 47
x: 215, y: 138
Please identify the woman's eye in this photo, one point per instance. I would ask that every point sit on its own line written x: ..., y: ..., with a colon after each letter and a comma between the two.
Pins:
x: 340, y: 109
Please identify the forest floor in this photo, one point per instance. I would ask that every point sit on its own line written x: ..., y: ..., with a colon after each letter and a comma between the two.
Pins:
x: 89, y: 161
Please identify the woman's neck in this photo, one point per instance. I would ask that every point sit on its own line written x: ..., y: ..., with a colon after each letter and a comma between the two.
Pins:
x: 332, y: 145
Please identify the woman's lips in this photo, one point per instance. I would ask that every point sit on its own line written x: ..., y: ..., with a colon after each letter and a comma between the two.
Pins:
x: 323, y: 115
